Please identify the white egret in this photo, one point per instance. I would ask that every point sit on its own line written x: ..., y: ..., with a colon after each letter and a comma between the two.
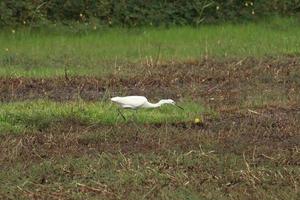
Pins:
x: 136, y: 102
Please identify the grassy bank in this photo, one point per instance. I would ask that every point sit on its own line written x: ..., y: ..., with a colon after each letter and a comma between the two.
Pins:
x: 240, y: 156
x: 49, y: 52
x: 33, y: 115
x: 153, y: 176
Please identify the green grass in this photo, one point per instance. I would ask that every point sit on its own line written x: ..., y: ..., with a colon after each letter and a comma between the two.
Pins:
x: 48, y: 52
x: 154, y: 176
x: 23, y: 116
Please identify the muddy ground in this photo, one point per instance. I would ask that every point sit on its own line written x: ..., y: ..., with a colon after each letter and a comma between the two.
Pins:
x: 234, y: 132
x: 217, y: 82
x: 258, y: 102
x: 230, y: 87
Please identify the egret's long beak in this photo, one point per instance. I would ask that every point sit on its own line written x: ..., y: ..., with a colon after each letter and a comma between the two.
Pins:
x: 178, y: 107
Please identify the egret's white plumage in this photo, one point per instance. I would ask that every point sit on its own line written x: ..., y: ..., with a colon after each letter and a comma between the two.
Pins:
x: 135, y: 102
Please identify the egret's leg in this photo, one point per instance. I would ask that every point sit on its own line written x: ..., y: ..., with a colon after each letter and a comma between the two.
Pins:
x: 120, y: 113
x: 135, y: 115
x: 139, y: 130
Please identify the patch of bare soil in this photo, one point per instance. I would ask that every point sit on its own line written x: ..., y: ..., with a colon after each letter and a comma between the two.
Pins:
x: 228, y: 82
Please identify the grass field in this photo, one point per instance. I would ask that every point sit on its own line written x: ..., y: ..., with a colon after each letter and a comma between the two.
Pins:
x: 18, y: 117
x: 61, y: 137
x: 96, y: 52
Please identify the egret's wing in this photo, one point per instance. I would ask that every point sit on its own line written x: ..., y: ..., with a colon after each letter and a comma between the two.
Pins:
x: 130, y: 101
x: 133, y: 101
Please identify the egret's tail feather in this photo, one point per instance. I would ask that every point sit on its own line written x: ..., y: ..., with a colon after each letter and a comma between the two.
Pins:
x: 114, y: 99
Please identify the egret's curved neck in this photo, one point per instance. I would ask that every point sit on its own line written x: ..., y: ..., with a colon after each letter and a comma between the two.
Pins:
x: 153, y: 105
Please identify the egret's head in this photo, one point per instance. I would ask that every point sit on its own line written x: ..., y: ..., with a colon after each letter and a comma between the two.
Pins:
x: 169, y: 101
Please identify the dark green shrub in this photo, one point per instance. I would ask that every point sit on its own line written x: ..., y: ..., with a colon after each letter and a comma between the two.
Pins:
x: 140, y: 12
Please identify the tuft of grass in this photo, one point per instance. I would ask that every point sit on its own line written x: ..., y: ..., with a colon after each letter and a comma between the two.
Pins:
x: 40, y: 114
x: 49, y: 53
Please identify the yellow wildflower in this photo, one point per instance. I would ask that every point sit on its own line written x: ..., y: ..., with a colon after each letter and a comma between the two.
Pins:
x: 198, y: 121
